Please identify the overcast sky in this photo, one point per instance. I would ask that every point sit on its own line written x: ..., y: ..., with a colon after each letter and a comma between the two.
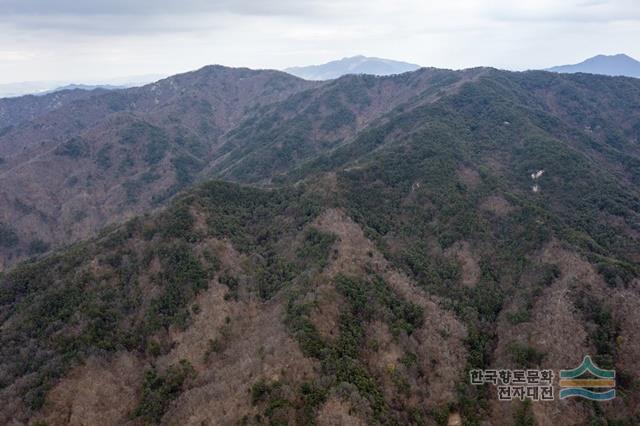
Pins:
x: 95, y: 40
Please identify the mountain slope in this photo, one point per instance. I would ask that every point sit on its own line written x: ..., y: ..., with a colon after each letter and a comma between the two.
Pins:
x: 67, y: 174
x: 134, y: 149
x: 286, y: 293
x: 98, y: 160
x: 352, y: 65
x: 314, y: 122
x: 460, y: 220
x: 615, y: 65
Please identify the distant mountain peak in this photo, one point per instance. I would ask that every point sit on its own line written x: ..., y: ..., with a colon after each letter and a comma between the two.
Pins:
x: 612, y: 65
x: 358, y: 64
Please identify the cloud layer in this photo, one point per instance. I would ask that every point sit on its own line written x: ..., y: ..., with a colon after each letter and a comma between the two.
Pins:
x: 93, y: 40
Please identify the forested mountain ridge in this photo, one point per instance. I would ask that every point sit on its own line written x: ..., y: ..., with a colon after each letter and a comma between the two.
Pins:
x: 390, y: 234
x: 103, y: 159
x: 98, y: 160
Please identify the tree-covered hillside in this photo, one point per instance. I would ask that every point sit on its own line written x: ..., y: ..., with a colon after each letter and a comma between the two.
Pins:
x: 384, y: 241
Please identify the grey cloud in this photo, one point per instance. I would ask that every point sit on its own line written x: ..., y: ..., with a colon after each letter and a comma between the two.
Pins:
x: 96, y: 38
x: 154, y: 7
x: 585, y: 11
x: 108, y: 25
x: 121, y: 17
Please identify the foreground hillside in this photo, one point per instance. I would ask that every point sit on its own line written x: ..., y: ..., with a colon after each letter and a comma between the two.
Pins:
x: 240, y: 305
x: 390, y: 235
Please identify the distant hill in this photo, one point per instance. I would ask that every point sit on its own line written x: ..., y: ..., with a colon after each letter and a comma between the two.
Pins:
x: 19, y: 109
x: 84, y: 87
x: 353, y: 65
x: 615, y: 65
x: 11, y: 90
x: 38, y: 88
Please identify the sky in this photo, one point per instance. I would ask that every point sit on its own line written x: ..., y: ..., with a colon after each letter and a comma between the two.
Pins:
x: 90, y: 41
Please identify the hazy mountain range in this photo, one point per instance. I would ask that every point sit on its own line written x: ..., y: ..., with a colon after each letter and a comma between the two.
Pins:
x: 43, y: 87
x: 245, y: 247
x: 615, y: 65
x: 352, y: 65
x: 87, y: 87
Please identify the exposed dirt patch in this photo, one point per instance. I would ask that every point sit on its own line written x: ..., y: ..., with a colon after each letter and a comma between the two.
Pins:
x: 454, y: 420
